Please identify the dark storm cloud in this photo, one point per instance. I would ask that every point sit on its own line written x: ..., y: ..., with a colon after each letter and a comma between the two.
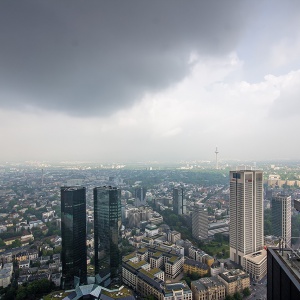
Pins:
x: 94, y: 57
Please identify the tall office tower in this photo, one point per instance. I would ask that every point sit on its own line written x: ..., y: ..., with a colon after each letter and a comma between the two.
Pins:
x: 246, y: 213
x: 140, y: 196
x: 281, y: 218
x: 179, y: 202
x: 73, y: 232
x: 200, y: 222
x: 107, y: 231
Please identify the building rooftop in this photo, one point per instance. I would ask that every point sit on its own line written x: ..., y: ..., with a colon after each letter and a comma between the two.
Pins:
x: 206, y: 283
x: 233, y: 275
x: 195, y: 263
x: 257, y: 257
x: 291, y: 259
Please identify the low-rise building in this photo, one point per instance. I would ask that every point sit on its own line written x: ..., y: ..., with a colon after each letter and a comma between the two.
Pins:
x: 234, y: 280
x: 256, y: 264
x: 208, y: 288
x: 193, y: 266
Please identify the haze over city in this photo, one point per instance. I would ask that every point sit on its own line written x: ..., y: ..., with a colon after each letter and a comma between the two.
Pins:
x: 149, y: 80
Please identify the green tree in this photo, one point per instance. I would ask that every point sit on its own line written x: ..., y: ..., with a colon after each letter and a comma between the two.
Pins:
x: 246, y: 292
x: 237, y: 296
x: 16, y: 243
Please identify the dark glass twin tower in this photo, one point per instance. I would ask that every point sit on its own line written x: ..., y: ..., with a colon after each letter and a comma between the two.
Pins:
x: 107, y: 233
x: 73, y: 233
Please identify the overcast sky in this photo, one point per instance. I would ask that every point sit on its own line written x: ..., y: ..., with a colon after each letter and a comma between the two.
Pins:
x: 134, y: 80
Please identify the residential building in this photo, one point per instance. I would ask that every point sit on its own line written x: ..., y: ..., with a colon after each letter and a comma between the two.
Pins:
x: 246, y: 214
x: 192, y: 266
x: 281, y: 218
x: 73, y: 231
x: 208, y: 288
x: 107, y: 230
x: 235, y: 280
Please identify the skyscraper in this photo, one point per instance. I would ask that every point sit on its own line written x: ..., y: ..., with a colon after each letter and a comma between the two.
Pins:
x: 107, y: 230
x: 200, y: 222
x: 140, y: 196
x: 73, y: 231
x: 179, y: 202
x: 281, y: 218
x: 246, y: 213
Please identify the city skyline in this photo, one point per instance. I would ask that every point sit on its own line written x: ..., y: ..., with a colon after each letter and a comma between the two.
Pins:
x: 149, y: 80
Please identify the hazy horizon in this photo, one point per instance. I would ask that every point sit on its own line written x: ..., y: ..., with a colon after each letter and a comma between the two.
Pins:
x: 136, y: 81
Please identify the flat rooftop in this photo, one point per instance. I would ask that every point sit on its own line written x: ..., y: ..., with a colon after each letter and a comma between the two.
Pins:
x: 291, y: 259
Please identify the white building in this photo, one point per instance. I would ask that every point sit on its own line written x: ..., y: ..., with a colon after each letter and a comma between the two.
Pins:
x: 200, y: 222
x: 246, y: 214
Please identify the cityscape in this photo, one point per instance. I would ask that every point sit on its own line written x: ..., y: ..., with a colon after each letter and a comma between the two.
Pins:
x: 195, y: 231
x: 149, y: 150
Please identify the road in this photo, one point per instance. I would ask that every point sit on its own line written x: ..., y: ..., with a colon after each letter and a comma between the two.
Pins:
x: 258, y: 289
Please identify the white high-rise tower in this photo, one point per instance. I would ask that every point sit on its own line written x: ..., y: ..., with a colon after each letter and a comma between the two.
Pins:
x: 246, y: 213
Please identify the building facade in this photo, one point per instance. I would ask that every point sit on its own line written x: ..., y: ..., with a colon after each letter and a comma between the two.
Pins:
x: 179, y: 202
x: 234, y: 280
x: 200, y: 222
x: 107, y: 230
x: 283, y: 274
x: 281, y: 218
x: 73, y: 232
x: 208, y: 288
x: 246, y: 213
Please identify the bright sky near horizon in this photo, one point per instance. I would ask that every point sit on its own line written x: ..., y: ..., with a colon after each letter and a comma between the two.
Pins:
x: 149, y: 80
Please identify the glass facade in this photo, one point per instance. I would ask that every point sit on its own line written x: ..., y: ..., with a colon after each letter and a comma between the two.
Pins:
x: 73, y: 231
x: 179, y: 202
x: 107, y: 230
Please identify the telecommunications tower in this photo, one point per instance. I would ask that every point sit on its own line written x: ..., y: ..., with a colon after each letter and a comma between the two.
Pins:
x: 217, y: 166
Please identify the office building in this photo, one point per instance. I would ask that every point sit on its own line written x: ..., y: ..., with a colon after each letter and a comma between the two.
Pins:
x: 283, y: 277
x: 107, y: 230
x: 281, y: 218
x: 140, y: 196
x: 246, y: 214
x: 73, y: 231
x: 200, y: 222
x: 179, y: 202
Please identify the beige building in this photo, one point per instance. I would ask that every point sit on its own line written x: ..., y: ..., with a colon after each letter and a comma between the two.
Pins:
x: 256, y: 264
x: 149, y: 285
x: 193, y: 266
x: 208, y: 288
x: 234, y: 280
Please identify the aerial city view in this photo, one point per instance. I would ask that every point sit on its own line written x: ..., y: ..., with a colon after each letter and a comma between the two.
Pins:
x: 149, y: 150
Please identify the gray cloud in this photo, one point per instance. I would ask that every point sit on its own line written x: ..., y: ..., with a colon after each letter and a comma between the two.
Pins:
x: 94, y: 57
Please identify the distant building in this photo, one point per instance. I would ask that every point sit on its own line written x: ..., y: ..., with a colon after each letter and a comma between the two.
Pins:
x: 140, y: 196
x: 107, y: 230
x: 200, y: 222
x: 179, y: 202
x: 73, y: 231
x: 281, y: 218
